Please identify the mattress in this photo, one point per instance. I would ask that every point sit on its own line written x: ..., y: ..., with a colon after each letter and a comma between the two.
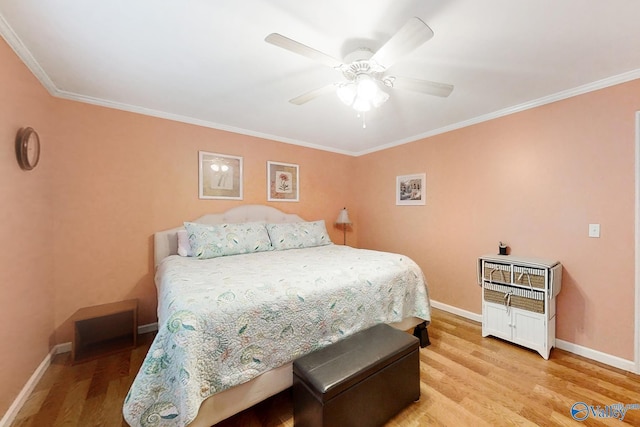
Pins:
x: 226, y: 320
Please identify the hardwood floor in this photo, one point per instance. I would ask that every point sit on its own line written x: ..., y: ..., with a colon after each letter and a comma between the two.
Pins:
x: 466, y: 380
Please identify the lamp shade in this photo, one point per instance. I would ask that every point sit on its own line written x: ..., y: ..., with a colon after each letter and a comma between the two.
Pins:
x: 343, y: 217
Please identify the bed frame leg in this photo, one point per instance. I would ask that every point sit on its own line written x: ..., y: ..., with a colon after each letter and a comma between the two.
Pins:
x: 420, y: 331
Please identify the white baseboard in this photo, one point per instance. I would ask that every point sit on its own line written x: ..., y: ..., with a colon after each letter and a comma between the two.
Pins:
x: 24, y: 394
x: 457, y: 311
x: 149, y: 327
x: 65, y: 347
x: 598, y: 356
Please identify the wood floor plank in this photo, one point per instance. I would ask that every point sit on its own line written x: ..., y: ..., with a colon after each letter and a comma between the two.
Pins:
x: 52, y: 404
x: 447, y: 412
x: 465, y: 380
x: 34, y: 402
x: 23, y: 422
x: 73, y: 404
x: 112, y: 403
x: 493, y: 412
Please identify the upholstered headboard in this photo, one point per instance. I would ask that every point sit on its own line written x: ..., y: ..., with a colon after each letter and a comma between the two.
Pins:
x: 166, y: 242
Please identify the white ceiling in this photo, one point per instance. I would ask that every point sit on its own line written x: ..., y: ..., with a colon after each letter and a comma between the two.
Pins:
x: 206, y: 61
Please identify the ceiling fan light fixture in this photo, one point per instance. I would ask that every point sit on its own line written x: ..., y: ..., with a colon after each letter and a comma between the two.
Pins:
x: 366, y: 84
x: 361, y: 105
x: 347, y: 93
x: 380, y: 98
x: 367, y: 87
x: 363, y: 93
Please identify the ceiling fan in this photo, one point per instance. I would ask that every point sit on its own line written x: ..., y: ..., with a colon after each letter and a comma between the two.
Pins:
x: 365, y: 71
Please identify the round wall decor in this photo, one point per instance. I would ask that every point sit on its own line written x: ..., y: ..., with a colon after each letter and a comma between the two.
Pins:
x: 27, y: 148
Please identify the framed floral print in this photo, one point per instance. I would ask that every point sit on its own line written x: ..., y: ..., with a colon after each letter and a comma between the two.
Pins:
x: 220, y: 176
x: 411, y: 190
x: 283, y: 182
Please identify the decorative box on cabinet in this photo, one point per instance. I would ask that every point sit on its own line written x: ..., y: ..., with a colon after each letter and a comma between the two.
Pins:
x: 519, y: 300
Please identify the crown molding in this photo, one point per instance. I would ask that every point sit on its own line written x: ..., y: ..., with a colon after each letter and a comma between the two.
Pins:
x: 23, y: 53
x: 580, y: 90
x: 189, y: 120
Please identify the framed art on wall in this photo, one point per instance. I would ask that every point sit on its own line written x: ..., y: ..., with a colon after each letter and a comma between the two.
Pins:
x: 411, y: 190
x: 220, y: 176
x: 283, y: 182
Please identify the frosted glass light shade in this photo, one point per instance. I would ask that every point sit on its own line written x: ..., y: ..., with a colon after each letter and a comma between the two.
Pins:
x: 366, y: 88
x: 361, y: 105
x: 343, y: 217
x: 380, y: 98
x: 363, y: 94
x: 347, y: 93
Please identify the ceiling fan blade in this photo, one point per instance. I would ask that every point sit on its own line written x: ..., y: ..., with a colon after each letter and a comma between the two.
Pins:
x: 424, y: 86
x: 414, y: 33
x: 301, y: 49
x: 313, y: 94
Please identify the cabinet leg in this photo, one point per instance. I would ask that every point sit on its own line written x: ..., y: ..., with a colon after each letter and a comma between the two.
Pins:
x: 420, y: 331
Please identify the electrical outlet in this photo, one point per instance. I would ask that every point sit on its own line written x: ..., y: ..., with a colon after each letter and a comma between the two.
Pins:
x: 594, y: 230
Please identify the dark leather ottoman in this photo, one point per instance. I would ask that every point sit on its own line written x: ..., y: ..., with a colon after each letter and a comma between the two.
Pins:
x: 362, y: 380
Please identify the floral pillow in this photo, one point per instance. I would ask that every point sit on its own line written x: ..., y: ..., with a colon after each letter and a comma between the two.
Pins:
x: 210, y: 241
x: 294, y: 235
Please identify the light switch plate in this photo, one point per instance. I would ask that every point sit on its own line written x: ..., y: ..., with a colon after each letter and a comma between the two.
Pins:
x: 594, y: 230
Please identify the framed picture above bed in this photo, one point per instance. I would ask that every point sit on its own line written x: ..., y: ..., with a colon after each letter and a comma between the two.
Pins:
x: 411, y: 189
x: 283, y: 182
x: 220, y: 176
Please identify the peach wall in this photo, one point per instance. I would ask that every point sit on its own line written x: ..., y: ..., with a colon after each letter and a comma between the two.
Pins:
x: 78, y: 229
x: 534, y: 180
x: 26, y: 284
x: 120, y: 177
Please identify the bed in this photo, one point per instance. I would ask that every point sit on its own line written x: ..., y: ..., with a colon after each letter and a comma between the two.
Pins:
x: 230, y: 325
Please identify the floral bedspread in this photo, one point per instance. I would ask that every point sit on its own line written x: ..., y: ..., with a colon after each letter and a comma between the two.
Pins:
x: 224, y: 321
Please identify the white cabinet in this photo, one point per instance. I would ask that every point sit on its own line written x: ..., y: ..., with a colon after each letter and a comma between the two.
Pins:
x: 519, y: 300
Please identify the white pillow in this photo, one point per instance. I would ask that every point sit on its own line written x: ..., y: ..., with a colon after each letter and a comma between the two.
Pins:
x: 184, y: 247
x: 292, y: 235
x: 210, y: 241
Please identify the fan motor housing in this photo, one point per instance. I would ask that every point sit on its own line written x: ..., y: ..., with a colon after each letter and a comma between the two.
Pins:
x: 358, y: 62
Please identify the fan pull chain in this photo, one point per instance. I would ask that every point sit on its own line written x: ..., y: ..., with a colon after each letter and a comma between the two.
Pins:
x: 364, y: 123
